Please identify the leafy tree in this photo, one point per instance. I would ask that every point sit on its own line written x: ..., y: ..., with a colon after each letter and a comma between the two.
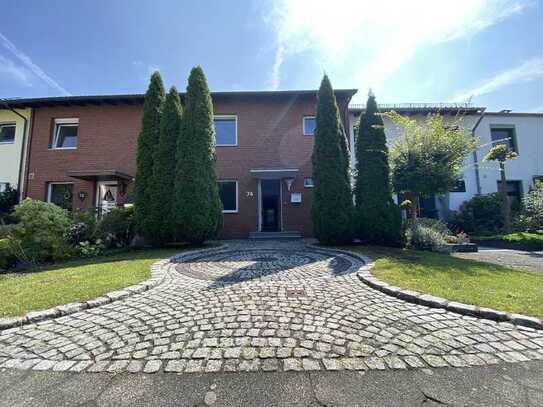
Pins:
x: 198, y: 209
x: 429, y: 157
x: 161, y: 217
x: 144, y: 193
x: 531, y: 215
x: 378, y: 218
x: 501, y: 153
x: 332, y: 210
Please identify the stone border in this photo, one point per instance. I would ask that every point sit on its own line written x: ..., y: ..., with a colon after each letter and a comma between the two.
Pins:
x: 437, y: 302
x: 159, y: 272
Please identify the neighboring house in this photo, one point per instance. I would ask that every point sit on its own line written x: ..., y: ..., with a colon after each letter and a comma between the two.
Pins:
x: 82, y: 154
x: 522, y: 131
x: 14, y: 127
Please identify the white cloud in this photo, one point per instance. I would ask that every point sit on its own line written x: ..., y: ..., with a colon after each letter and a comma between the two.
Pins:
x: 369, y: 40
x: 15, y: 72
x: 31, y: 66
x: 526, y: 72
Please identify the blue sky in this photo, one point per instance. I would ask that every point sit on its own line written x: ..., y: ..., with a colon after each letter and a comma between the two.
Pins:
x: 416, y: 51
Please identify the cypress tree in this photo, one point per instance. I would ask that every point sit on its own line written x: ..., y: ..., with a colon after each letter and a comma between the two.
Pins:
x: 198, y: 209
x: 162, y: 222
x: 378, y: 218
x: 332, y: 208
x: 147, y: 144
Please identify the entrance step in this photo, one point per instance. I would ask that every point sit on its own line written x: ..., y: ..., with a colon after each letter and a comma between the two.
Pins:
x: 275, y: 235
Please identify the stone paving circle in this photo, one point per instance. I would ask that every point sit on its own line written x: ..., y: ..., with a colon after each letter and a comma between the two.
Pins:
x: 263, y: 306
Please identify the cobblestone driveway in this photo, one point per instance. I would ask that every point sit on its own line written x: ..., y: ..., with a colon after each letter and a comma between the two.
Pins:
x: 264, y: 306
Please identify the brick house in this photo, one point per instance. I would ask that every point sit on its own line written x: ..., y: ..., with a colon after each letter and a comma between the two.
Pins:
x: 82, y: 154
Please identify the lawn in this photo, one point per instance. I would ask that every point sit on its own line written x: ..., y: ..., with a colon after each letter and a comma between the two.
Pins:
x: 74, y: 281
x: 519, y: 240
x: 467, y: 281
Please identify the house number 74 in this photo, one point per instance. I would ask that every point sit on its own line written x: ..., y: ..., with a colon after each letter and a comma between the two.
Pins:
x: 249, y: 194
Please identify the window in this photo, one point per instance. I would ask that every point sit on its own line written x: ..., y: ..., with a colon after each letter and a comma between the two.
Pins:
x: 309, y: 125
x: 504, y: 135
x: 308, y: 183
x: 460, y: 186
x: 61, y: 194
x: 226, y: 130
x: 514, y: 191
x: 7, y: 133
x: 228, y: 191
x: 4, y: 186
x: 65, y: 136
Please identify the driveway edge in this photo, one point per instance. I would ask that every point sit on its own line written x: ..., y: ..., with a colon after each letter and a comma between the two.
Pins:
x: 159, y: 271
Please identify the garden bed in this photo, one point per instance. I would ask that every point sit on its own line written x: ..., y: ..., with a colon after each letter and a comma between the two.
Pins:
x: 515, y: 241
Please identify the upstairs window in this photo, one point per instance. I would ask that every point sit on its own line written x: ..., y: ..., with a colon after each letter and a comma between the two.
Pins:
x: 226, y: 130
x: 309, y: 125
x: 61, y: 194
x: 65, y: 135
x: 228, y: 192
x: 7, y: 133
x: 308, y: 183
x: 504, y: 135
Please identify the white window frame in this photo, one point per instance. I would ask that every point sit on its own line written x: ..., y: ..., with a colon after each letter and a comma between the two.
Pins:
x: 73, y: 122
x: 303, y: 125
x: 307, y: 184
x: 50, y: 189
x: 237, y: 194
x: 223, y: 117
x: 9, y: 124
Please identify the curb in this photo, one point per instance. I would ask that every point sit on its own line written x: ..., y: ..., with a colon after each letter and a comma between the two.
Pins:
x: 158, y: 274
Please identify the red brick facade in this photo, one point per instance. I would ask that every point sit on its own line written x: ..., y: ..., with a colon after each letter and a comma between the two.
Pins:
x: 269, y: 136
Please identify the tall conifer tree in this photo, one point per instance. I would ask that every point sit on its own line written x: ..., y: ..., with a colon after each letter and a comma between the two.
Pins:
x: 147, y: 144
x: 332, y: 197
x: 378, y: 219
x: 198, y: 209
x: 163, y: 205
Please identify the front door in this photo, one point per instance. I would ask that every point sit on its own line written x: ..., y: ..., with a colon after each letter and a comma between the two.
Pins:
x: 106, y: 196
x: 270, y: 193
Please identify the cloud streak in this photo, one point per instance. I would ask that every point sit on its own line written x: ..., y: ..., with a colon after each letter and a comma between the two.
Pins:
x: 526, y: 72
x: 31, y: 66
x: 19, y: 74
x: 366, y: 41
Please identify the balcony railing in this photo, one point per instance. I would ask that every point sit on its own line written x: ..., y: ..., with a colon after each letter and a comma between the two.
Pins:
x: 415, y: 106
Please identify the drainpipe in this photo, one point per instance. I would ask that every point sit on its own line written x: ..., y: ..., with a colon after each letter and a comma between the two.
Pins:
x: 475, y: 159
x: 21, y: 159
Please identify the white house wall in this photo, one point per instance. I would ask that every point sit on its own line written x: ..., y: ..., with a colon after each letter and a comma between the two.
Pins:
x: 10, y: 153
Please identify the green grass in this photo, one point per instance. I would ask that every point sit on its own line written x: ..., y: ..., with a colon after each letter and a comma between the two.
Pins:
x: 519, y: 240
x: 467, y: 281
x: 77, y: 280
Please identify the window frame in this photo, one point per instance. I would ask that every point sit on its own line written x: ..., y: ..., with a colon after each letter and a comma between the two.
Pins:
x: 307, y: 185
x: 508, y: 127
x: 59, y: 123
x: 9, y: 124
x: 226, y: 117
x: 303, y: 124
x: 4, y: 186
x: 50, y: 190
x: 223, y: 181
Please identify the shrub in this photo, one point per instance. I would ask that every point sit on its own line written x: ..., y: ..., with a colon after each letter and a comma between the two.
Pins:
x: 8, y: 200
x: 83, y: 228
x: 481, y: 215
x: 7, y: 257
x: 426, y: 234
x: 530, y: 218
x: 116, y: 228
x: 88, y: 249
x: 40, y: 234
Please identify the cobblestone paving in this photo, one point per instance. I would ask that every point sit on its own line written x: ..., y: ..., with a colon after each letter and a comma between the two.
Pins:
x: 274, y: 306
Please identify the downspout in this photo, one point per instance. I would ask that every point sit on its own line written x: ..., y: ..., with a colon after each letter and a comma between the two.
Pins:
x: 21, y: 160
x: 475, y: 159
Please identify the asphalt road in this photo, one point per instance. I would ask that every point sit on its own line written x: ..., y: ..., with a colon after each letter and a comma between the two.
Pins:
x: 519, y: 384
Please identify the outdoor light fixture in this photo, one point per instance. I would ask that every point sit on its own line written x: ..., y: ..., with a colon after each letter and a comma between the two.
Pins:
x: 289, y: 182
x: 82, y: 195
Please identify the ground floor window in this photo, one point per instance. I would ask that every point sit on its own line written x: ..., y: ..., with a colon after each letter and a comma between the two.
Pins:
x: 4, y: 186
x: 61, y: 194
x: 228, y: 191
x: 514, y: 191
